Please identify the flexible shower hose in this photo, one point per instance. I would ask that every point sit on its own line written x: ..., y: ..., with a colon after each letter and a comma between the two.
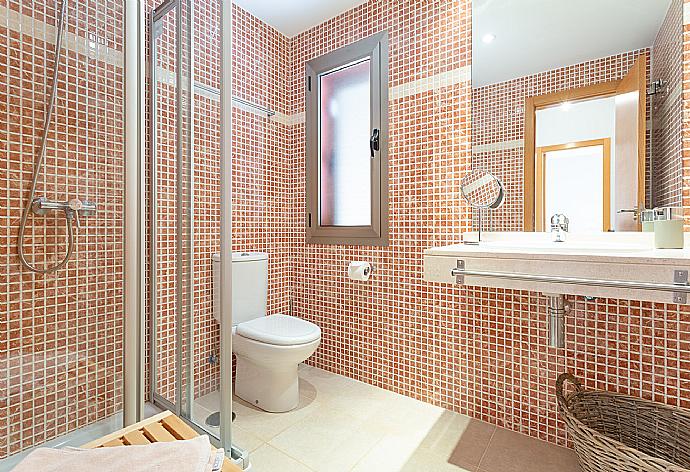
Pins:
x: 38, y: 162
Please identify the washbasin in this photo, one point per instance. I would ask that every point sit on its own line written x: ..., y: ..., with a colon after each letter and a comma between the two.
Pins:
x: 577, y: 243
x: 611, y: 265
x: 576, y: 247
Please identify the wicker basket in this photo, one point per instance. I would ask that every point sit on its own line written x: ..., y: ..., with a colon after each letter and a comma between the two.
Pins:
x: 617, y: 433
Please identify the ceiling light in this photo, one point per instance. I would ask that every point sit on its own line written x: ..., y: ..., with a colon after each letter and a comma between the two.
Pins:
x: 488, y: 38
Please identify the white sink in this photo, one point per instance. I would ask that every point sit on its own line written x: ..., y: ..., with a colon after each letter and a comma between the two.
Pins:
x: 568, y: 247
x: 615, y: 265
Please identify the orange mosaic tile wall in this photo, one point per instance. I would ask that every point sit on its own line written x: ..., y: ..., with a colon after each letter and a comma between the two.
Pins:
x: 61, y: 334
x: 392, y: 331
x: 667, y: 165
x: 166, y: 214
x: 685, y: 143
x: 482, y: 352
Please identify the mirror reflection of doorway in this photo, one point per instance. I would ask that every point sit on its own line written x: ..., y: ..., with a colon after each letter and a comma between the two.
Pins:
x: 565, y: 170
x: 615, y: 109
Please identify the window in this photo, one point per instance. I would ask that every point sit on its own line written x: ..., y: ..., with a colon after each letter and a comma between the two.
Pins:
x: 347, y: 144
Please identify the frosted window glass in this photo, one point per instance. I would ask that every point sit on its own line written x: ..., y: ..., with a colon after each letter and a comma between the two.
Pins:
x: 573, y: 186
x: 344, y: 154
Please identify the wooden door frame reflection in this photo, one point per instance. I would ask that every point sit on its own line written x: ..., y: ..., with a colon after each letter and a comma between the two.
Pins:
x: 589, y: 92
x: 540, y: 194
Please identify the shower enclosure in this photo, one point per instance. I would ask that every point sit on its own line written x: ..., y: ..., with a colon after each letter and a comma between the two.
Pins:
x: 183, y: 193
x: 62, y: 126
x: 124, y: 327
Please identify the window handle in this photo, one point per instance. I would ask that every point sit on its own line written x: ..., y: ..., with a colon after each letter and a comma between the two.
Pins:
x: 374, y: 141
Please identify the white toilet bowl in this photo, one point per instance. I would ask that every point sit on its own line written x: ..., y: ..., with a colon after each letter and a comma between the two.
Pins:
x: 268, y: 348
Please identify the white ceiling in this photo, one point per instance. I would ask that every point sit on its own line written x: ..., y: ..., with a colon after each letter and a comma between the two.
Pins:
x: 292, y: 17
x: 539, y: 35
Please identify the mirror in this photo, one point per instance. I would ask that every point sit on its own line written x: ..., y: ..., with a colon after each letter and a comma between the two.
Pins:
x: 578, y: 113
x: 483, y: 191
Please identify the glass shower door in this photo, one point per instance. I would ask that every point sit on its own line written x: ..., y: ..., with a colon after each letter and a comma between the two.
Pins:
x: 184, y: 213
x: 170, y: 197
x: 61, y: 333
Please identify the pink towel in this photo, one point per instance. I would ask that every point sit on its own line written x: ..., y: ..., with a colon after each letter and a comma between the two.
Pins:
x: 193, y: 455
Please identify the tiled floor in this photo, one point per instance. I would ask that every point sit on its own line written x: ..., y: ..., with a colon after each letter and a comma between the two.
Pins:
x: 345, y: 425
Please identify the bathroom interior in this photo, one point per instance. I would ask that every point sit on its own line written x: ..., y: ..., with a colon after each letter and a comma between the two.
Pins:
x: 355, y: 235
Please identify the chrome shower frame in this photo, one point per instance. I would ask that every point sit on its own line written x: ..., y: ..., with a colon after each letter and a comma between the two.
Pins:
x: 182, y: 404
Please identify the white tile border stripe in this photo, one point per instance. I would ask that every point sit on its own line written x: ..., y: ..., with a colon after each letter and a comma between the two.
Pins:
x: 501, y: 146
x: 39, y: 30
x: 24, y: 24
x: 435, y: 82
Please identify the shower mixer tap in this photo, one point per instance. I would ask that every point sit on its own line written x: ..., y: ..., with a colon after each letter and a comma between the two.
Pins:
x: 41, y: 206
x: 74, y: 208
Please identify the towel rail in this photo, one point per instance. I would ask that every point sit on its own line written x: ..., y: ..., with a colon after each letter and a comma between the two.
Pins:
x: 249, y: 104
x: 679, y: 287
x: 236, y: 100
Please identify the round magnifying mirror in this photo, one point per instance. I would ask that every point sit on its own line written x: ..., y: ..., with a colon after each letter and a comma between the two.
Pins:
x: 482, y: 189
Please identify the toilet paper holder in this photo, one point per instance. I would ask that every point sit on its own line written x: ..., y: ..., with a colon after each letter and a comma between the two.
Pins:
x: 359, y: 270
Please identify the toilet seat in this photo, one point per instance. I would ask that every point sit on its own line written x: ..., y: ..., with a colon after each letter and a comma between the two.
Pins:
x: 280, y: 330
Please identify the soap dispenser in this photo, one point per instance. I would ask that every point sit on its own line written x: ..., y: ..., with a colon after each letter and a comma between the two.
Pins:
x: 668, y: 228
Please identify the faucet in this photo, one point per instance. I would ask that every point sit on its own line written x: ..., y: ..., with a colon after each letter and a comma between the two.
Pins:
x: 73, y: 208
x: 559, y: 227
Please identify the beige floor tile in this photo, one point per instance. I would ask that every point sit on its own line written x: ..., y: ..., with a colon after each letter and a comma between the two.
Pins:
x: 407, y: 443
x: 360, y: 401
x: 266, y: 425
x: 389, y: 454
x: 452, y: 432
x: 210, y: 401
x: 509, y: 451
x: 245, y: 439
x: 240, y: 437
x: 325, y: 385
x: 343, y: 425
x: 328, y: 441
x: 270, y: 459
x: 199, y: 414
x: 425, y: 460
x: 407, y: 416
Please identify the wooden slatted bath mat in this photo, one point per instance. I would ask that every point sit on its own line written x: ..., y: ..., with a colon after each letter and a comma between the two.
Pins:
x: 163, y: 427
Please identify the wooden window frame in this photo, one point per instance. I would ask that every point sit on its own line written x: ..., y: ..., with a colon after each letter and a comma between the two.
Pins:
x: 376, y: 234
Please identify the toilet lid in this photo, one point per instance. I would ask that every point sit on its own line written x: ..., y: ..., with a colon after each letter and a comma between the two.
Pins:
x: 282, y: 330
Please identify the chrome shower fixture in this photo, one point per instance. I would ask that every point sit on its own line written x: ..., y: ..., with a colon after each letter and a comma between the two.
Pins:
x: 74, y: 208
x: 658, y: 86
x: 40, y: 206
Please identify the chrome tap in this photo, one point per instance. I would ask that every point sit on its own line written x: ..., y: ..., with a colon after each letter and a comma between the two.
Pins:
x: 73, y: 208
x: 559, y: 227
x: 635, y: 212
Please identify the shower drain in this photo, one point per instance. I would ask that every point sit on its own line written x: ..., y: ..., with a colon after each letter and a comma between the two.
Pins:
x: 213, y: 419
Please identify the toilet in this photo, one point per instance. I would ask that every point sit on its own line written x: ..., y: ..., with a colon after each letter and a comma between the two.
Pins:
x: 268, y: 348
